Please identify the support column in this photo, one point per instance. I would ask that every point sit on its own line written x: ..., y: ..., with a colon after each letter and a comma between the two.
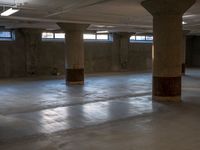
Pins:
x: 115, y: 52
x: 32, y: 39
x: 124, y: 48
x: 74, y: 54
x: 185, y: 32
x: 167, y: 30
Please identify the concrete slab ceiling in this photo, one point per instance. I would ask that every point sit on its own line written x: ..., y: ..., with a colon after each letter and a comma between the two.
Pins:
x: 113, y: 15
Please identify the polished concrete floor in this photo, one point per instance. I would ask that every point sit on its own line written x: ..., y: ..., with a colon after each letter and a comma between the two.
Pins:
x: 110, y: 112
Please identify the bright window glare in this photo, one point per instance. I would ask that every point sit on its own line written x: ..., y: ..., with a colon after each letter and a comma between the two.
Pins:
x: 89, y: 36
x: 59, y: 35
x: 47, y: 35
x: 5, y: 34
x: 149, y: 38
x: 102, y: 36
x: 140, y: 38
x: 132, y: 37
x: 86, y: 36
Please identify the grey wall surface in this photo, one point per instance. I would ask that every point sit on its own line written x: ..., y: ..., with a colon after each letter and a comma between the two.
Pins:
x: 193, y: 51
x: 13, y: 58
x: 49, y: 56
x: 140, y: 57
x: 98, y: 57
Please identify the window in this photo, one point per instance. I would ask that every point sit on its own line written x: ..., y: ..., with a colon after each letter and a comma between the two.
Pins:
x: 141, y: 38
x: 47, y: 35
x: 102, y: 36
x: 149, y: 38
x: 59, y: 35
x: 52, y: 36
x: 6, y: 35
x: 89, y: 36
x: 97, y: 37
x: 132, y: 38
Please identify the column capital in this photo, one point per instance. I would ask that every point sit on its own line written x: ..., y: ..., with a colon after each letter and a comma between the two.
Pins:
x: 67, y: 27
x: 167, y: 7
x: 124, y: 34
x: 30, y: 30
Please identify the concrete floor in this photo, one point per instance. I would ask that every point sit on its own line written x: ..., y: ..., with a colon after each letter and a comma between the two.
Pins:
x: 110, y: 112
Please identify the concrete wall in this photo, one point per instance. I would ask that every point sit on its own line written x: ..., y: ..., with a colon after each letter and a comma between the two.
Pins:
x: 51, y: 55
x: 98, y: 56
x: 12, y: 58
x: 140, y: 57
x: 17, y: 60
x: 193, y: 51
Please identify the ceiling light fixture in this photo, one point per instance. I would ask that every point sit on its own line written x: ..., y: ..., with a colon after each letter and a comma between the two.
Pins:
x: 9, y: 12
x: 102, y: 32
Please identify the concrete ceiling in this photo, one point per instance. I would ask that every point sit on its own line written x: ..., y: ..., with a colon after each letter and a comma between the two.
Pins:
x: 112, y: 15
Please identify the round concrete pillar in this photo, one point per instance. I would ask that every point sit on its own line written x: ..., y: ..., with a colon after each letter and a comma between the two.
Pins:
x: 167, y: 63
x: 116, y: 52
x: 124, y: 49
x: 32, y: 39
x: 167, y: 57
x: 74, y: 53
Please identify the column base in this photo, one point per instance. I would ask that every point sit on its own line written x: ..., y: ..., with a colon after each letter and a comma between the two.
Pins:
x: 176, y: 99
x: 167, y: 88
x: 75, y: 76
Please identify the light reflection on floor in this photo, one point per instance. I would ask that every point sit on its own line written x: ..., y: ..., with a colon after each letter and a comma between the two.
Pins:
x: 62, y: 118
x: 48, y: 107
